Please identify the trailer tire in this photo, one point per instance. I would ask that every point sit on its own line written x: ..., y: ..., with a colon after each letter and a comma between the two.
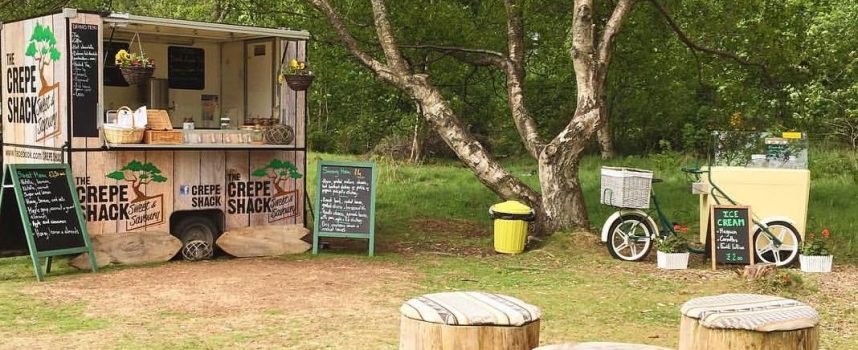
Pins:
x: 196, y: 228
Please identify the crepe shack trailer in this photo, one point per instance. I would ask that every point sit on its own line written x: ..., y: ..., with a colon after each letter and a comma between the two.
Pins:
x: 59, y: 80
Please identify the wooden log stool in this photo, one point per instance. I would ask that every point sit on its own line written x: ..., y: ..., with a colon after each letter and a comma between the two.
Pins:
x: 748, y: 321
x: 468, y: 321
x: 600, y: 346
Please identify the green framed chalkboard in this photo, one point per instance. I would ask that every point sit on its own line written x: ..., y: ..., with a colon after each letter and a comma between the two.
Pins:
x: 50, y: 215
x: 345, y: 202
x: 730, y: 235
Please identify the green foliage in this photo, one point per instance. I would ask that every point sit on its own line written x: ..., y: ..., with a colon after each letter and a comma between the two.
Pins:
x: 279, y: 168
x: 672, y: 244
x: 116, y: 175
x: 143, y: 172
x: 816, y: 244
x: 48, y: 51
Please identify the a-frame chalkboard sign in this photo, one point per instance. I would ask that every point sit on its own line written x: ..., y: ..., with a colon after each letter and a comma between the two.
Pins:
x: 345, y: 202
x: 38, y: 201
x: 730, y: 237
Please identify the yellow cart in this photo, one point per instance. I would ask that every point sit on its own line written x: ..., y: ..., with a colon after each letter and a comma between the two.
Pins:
x: 774, y: 183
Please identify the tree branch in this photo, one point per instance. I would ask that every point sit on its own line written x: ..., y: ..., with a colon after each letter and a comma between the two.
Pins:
x: 351, y: 44
x: 386, y: 38
x: 515, y: 73
x: 612, y: 28
x: 695, y: 47
x: 582, y: 52
x: 478, y: 57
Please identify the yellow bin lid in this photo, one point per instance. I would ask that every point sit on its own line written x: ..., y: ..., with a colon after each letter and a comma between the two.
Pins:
x: 511, y: 207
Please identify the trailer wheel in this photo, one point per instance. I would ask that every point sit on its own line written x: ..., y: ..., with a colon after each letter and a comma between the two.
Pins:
x: 195, y: 228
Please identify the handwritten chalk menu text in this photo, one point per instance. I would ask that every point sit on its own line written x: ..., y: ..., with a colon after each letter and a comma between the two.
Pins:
x: 345, y: 196
x: 731, y: 235
x: 51, y: 222
x: 51, y: 208
x: 84, y: 57
x: 346, y: 201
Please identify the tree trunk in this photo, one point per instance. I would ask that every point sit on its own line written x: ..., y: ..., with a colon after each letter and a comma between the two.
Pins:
x: 606, y: 140
x: 563, y: 205
x: 140, y: 196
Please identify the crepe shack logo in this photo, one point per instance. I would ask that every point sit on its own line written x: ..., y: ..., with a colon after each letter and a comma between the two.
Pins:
x: 116, y: 202
x: 268, y: 195
x: 29, y: 101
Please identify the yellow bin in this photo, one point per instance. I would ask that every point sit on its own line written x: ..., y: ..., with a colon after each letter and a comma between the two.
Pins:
x: 511, y: 219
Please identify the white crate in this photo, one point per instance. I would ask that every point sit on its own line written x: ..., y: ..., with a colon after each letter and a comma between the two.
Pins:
x: 626, y: 187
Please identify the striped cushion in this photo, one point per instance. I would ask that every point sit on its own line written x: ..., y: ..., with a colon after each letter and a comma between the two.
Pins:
x: 600, y: 346
x: 762, y: 313
x: 470, y: 309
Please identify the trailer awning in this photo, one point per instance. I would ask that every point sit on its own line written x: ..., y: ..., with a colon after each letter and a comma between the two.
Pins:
x: 168, y: 27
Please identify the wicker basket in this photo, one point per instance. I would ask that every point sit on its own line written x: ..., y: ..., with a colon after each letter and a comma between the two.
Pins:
x: 123, y: 135
x: 299, y: 82
x: 136, y: 75
x: 626, y: 187
x: 278, y: 134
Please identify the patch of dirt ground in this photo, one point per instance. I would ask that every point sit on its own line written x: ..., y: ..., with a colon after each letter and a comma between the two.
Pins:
x: 257, y: 303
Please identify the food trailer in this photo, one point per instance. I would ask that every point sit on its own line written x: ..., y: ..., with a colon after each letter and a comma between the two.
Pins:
x: 60, y: 84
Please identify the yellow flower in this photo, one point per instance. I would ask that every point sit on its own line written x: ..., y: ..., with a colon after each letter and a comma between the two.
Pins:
x: 293, y: 64
x: 122, y: 55
x: 301, y: 66
x: 280, y: 78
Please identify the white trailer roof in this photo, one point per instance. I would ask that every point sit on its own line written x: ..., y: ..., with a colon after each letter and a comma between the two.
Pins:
x: 212, y: 31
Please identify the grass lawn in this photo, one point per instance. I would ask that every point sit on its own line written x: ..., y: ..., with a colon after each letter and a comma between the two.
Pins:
x: 434, y: 234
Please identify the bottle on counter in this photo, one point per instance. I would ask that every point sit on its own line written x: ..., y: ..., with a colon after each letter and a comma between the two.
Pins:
x: 188, y: 124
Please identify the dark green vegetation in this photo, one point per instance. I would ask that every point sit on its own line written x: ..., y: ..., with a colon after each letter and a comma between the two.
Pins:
x: 800, y: 70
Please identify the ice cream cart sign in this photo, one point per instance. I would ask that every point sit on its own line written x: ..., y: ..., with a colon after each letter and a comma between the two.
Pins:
x: 31, y: 93
x: 731, y: 235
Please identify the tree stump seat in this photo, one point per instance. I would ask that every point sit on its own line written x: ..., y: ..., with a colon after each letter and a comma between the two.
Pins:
x: 748, y: 321
x: 600, y: 346
x: 468, y: 321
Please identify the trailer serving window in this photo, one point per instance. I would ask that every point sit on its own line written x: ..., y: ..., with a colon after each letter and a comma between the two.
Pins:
x: 205, y: 72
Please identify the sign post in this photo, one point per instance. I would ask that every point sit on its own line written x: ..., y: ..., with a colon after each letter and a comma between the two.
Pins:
x: 49, y: 210
x: 731, y: 237
x: 345, y: 202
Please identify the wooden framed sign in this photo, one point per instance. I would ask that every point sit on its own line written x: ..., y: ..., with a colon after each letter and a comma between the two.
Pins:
x: 730, y: 235
x: 345, y: 202
x: 50, y: 214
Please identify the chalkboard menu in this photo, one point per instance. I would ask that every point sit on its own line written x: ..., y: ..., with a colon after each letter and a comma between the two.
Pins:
x: 49, y: 210
x: 186, y: 68
x: 730, y: 232
x: 84, y: 56
x: 345, y: 202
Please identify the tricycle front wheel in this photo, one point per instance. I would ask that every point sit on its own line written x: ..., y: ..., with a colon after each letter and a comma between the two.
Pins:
x: 630, y: 237
x: 783, y: 254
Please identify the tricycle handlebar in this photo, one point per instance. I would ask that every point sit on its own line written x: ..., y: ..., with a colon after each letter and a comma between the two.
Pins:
x: 693, y: 170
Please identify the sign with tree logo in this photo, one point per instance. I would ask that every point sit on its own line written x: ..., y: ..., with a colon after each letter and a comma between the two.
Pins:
x: 31, y: 90
x: 144, y: 209
x: 38, y: 203
x: 284, y: 202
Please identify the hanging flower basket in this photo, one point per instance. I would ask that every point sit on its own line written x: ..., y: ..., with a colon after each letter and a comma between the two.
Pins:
x: 299, y: 82
x: 136, y: 75
x: 136, y: 68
